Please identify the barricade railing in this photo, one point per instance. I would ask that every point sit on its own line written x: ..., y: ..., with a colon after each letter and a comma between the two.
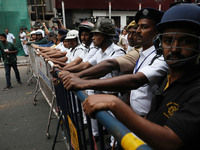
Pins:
x: 66, y: 105
x: 122, y: 134
x: 40, y: 70
x: 32, y: 65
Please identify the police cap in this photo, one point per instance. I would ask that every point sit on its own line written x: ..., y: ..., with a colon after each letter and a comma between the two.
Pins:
x: 149, y: 13
x: 62, y: 32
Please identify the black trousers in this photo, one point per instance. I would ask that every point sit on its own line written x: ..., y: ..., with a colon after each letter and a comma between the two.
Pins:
x: 7, y: 74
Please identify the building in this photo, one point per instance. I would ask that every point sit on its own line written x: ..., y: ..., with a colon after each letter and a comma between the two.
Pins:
x: 122, y: 11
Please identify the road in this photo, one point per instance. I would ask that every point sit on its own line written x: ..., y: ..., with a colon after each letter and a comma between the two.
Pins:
x: 23, y: 126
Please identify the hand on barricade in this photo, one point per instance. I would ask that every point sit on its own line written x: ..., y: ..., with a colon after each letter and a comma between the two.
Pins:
x: 55, y: 81
x: 71, y: 81
x: 54, y: 69
x: 38, y: 53
x: 35, y: 46
x: 44, y: 55
x: 65, y: 68
x: 98, y: 102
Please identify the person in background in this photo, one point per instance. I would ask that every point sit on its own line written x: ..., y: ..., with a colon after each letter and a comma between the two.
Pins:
x: 22, y: 37
x: 9, y: 52
x: 10, y: 36
x: 123, y: 41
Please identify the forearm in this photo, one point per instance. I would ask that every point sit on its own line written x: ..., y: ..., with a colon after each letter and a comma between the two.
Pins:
x: 75, y: 62
x: 156, y: 136
x: 100, y: 70
x: 79, y: 67
x: 11, y: 52
x: 57, y: 55
x: 62, y: 59
x: 46, y: 30
x: 119, y: 83
x: 55, y: 61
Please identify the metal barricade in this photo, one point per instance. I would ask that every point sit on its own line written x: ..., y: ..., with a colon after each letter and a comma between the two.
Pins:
x: 71, y: 117
x: 32, y: 65
x: 41, y: 71
x: 66, y: 105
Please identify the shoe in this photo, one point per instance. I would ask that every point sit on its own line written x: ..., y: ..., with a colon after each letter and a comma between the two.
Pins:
x: 19, y: 83
x: 7, y: 88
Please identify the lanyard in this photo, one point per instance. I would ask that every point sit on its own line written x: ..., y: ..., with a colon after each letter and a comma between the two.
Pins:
x: 137, y: 68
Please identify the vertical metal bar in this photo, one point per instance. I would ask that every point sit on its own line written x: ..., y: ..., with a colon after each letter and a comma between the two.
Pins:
x: 82, y: 125
x: 101, y: 136
x: 36, y: 14
x: 73, y: 100
x: 63, y: 13
x: 109, y: 9
x: 43, y: 17
x: 90, y: 133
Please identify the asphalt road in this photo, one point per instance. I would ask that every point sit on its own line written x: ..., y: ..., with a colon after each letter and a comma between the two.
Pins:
x: 22, y: 125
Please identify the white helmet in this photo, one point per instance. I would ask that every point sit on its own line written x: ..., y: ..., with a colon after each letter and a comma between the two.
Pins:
x: 41, y: 31
x: 72, y: 34
x: 33, y: 32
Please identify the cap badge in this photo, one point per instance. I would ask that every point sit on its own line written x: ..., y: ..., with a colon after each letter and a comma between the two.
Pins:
x: 145, y: 12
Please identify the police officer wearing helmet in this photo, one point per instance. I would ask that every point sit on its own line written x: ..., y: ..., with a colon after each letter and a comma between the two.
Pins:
x: 174, y: 118
x: 89, y: 50
x: 73, y: 42
x: 40, y: 38
x: 33, y: 36
x: 103, y: 32
x: 84, y: 33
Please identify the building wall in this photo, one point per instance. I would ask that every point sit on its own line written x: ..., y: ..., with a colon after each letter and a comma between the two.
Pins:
x: 116, y: 4
x: 122, y: 14
x: 14, y: 15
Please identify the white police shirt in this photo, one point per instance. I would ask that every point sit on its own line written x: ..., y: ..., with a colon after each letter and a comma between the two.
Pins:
x: 140, y: 99
x: 72, y: 54
x: 89, y: 52
x: 10, y: 37
x: 62, y: 47
x: 111, y: 52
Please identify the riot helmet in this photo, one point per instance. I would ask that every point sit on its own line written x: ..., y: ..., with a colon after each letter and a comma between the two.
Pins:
x: 105, y: 26
x: 175, y: 17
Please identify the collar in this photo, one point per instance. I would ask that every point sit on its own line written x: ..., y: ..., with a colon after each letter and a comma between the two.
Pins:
x: 146, y: 52
x: 109, y: 50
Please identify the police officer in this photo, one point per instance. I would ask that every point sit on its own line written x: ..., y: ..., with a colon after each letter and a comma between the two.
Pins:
x: 89, y: 50
x: 103, y: 32
x: 148, y: 71
x: 74, y: 44
x: 173, y: 122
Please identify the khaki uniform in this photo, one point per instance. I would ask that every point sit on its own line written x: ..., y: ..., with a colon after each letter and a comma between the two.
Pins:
x: 127, y: 62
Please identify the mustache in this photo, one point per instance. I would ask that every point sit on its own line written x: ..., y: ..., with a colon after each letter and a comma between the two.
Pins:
x: 172, y: 56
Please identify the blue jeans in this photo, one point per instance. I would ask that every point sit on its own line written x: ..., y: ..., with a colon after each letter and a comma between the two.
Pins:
x: 7, y: 74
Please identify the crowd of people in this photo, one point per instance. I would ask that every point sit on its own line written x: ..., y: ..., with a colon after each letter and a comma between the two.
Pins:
x: 148, y: 79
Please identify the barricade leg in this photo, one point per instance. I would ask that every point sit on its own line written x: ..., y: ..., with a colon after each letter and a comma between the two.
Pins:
x: 30, y: 79
x: 28, y: 70
x: 57, y: 130
x: 50, y: 117
x: 37, y: 90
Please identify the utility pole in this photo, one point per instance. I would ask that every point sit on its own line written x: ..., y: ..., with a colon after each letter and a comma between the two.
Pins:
x: 109, y: 3
x: 140, y: 4
x: 63, y: 13
x: 159, y: 4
